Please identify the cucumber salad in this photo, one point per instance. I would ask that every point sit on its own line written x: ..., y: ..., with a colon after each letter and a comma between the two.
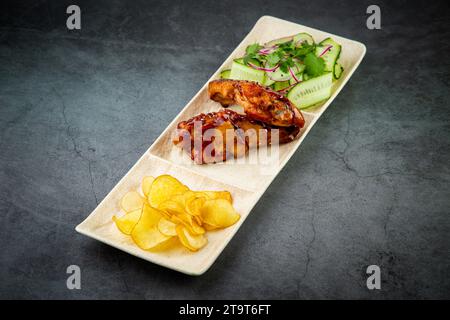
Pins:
x: 294, y: 66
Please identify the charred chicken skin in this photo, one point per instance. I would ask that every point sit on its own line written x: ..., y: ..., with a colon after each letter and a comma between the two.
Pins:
x: 268, y: 116
x: 259, y: 102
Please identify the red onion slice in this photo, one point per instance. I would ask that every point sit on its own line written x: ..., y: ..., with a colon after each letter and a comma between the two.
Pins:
x: 293, y: 75
x: 267, y: 50
x: 326, y: 50
x: 263, y: 69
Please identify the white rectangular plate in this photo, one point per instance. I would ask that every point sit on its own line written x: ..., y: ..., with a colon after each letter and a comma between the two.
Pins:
x: 246, y: 182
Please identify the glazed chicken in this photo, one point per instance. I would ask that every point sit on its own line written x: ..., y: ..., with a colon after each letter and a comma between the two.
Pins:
x: 259, y: 102
x: 226, y: 134
x: 218, y: 143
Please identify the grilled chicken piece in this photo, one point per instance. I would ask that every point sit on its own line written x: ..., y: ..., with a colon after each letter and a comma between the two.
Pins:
x: 259, y: 102
x: 220, y: 143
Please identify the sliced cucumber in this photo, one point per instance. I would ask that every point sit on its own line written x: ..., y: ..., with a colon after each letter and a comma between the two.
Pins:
x: 253, y: 61
x: 299, y: 77
x: 330, y: 57
x: 242, y: 72
x: 279, y: 75
x: 277, y: 41
x: 299, y: 68
x: 225, y: 74
x: 267, y: 80
x: 302, y: 37
x: 338, y: 69
x: 280, y: 85
x: 299, y: 73
x: 310, y: 92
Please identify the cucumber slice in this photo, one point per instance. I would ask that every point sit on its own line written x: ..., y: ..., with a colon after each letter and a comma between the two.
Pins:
x: 280, y: 85
x: 277, y: 41
x: 279, y: 75
x: 299, y: 77
x: 312, y: 91
x: 299, y: 68
x: 338, y: 69
x: 242, y: 72
x: 225, y: 74
x: 267, y: 81
x: 331, y: 56
x: 302, y: 37
x: 253, y: 61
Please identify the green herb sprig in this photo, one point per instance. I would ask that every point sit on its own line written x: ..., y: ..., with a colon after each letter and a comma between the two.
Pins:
x: 287, y: 55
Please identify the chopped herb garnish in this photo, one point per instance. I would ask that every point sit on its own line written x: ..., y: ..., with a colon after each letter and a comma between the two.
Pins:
x: 253, y: 49
x: 314, y: 65
x: 273, y: 58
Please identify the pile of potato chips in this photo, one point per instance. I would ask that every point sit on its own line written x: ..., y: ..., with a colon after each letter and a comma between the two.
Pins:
x: 168, y: 210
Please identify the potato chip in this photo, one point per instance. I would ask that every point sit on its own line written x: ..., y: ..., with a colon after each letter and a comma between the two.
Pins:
x: 219, y: 213
x: 187, y: 218
x: 149, y: 239
x: 146, y: 185
x: 167, y: 227
x: 127, y: 222
x: 198, y: 219
x: 183, y: 198
x: 169, y: 244
x: 191, y: 242
x: 212, y: 195
x: 189, y: 223
x: 171, y: 208
x: 170, y: 213
x: 131, y: 201
x: 177, y: 204
x: 209, y: 227
x: 196, y: 229
x: 164, y: 188
x: 146, y: 234
x: 194, y: 205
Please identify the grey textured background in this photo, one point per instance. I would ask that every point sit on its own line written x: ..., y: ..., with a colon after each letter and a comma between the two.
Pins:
x: 369, y: 185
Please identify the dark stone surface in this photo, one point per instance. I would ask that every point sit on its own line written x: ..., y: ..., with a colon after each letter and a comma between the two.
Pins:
x: 369, y: 185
